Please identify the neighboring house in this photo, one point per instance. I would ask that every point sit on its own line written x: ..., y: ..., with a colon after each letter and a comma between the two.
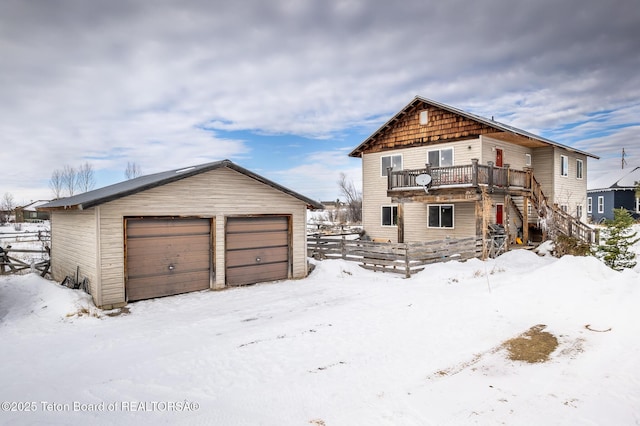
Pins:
x: 30, y: 212
x: 613, y: 191
x: 196, y: 228
x: 332, y: 205
x: 480, y: 173
x: 6, y: 216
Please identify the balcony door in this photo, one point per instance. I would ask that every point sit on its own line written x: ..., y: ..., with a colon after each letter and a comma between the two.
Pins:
x: 499, y: 157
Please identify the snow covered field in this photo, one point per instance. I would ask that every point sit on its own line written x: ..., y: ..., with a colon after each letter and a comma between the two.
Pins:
x: 345, y: 346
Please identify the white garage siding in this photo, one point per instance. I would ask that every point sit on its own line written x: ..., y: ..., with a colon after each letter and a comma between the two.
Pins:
x: 73, y: 246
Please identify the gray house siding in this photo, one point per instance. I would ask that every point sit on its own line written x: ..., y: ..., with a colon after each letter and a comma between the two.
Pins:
x: 613, y: 199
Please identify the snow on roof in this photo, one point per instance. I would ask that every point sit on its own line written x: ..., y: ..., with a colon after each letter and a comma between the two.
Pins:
x: 32, y: 206
x: 623, y: 178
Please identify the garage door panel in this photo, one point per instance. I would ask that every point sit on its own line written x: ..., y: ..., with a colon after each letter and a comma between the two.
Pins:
x: 157, y: 245
x: 258, y: 273
x: 159, y: 286
x: 166, y: 227
x: 250, y: 257
x: 165, y: 266
x: 256, y: 224
x: 257, y: 249
x: 199, y: 255
x: 257, y: 239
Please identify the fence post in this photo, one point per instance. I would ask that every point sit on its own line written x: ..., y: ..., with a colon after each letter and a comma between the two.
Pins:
x: 407, y: 270
x: 343, y: 247
x: 317, y: 249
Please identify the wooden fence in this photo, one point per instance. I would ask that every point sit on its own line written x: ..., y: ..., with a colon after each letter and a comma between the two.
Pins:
x: 403, y: 258
x: 13, y: 265
x: 17, y: 256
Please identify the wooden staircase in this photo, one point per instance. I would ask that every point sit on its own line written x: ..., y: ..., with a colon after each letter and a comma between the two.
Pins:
x: 555, y: 220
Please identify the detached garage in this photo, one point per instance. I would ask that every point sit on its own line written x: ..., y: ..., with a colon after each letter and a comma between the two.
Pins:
x: 204, y: 227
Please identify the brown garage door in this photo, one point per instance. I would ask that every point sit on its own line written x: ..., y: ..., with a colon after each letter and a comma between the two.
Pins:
x: 167, y: 256
x: 257, y: 249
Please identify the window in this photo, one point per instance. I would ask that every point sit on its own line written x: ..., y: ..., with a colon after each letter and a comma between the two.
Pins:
x: 589, y: 205
x: 564, y: 165
x: 564, y: 208
x: 527, y: 159
x: 389, y: 215
x: 440, y: 157
x: 579, y: 166
x: 601, y: 204
x: 424, y: 117
x: 394, y: 161
x: 440, y: 216
x: 579, y: 211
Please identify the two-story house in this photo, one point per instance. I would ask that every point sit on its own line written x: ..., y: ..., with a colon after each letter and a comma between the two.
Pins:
x: 434, y: 172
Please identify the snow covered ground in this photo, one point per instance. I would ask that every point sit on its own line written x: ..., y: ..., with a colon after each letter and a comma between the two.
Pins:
x: 345, y: 346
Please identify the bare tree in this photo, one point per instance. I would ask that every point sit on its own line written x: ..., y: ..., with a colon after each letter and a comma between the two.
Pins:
x: 69, y: 179
x: 7, y: 206
x: 56, y: 184
x: 133, y: 170
x: 353, y: 199
x: 86, y: 179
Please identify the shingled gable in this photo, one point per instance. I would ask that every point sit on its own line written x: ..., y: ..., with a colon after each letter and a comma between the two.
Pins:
x: 458, y: 125
x: 143, y: 183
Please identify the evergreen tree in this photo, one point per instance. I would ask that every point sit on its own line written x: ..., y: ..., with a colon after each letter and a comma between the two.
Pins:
x: 619, y: 237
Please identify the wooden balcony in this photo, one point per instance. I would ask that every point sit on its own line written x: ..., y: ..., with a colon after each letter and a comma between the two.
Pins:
x: 458, y: 178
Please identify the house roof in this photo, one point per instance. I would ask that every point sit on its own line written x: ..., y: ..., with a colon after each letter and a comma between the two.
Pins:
x: 486, y: 121
x: 32, y: 206
x: 132, y: 186
x: 619, y: 179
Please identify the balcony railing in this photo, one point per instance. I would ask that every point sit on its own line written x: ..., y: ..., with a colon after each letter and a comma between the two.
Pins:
x: 473, y: 174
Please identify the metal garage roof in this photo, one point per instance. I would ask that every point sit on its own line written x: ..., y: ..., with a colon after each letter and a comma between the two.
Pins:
x: 132, y: 186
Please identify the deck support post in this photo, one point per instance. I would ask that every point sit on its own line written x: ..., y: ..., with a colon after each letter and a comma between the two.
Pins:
x: 490, y: 177
x: 506, y: 219
x: 400, y: 222
x: 525, y: 220
x: 474, y: 173
x: 507, y: 172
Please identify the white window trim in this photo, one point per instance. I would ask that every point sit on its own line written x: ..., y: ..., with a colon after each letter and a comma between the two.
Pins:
x: 579, y: 169
x: 527, y: 160
x: 564, y: 171
x: 391, y: 206
x: 589, y: 205
x: 600, y: 204
x: 579, y: 211
x: 382, y: 172
x: 453, y: 216
x: 439, y: 151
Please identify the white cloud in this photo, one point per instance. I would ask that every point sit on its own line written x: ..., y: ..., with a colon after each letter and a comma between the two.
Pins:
x: 153, y: 83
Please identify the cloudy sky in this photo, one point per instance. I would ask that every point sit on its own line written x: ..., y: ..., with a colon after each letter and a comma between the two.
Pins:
x: 287, y: 88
